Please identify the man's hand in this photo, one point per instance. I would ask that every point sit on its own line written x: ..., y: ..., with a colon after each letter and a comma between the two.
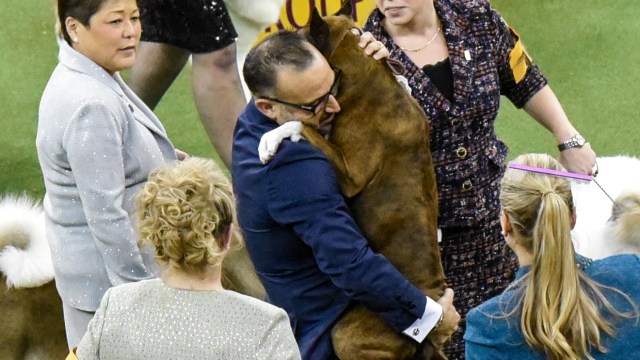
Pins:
x: 450, y: 319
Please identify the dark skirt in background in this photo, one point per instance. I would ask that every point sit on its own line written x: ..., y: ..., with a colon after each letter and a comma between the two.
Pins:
x: 199, y: 26
x: 478, y: 265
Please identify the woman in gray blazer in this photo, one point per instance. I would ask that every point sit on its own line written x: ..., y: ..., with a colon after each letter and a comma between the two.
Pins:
x: 96, y: 143
x: 186, y: 211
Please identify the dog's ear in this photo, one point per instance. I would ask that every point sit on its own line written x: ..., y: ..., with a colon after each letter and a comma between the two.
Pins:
x: 346, y: 9
x: 319, y: 32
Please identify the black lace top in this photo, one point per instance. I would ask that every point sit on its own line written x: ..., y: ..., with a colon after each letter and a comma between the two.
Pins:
x: 441, y: 76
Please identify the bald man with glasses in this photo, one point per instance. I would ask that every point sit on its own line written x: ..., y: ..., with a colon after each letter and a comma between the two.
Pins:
x: 306, y: 248
x: 315, y: 106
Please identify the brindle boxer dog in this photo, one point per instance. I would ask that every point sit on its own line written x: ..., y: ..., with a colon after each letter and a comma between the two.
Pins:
x: 379, y: 145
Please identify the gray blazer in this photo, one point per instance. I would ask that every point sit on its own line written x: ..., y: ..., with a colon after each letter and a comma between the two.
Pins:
x: 148, y: 320
x: 97, y: 142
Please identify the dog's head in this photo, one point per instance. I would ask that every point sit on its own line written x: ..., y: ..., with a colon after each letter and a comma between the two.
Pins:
x: 333, y: 37
x: 336, y: 37
x: 327, y: 33
x: 624, y: 224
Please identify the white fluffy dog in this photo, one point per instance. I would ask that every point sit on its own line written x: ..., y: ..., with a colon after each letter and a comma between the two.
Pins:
x: 623, y: 228
x: 601, y: 229
x: 250, y: 18
x: 25, y: 258
x: 33, y: 325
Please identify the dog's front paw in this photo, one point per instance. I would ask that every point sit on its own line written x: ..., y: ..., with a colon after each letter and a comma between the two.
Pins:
x: 270, y: 141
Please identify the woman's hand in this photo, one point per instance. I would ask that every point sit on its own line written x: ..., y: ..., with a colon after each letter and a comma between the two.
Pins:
x: 370, y: 45
x: 449, y: 323
x: 579, y: 160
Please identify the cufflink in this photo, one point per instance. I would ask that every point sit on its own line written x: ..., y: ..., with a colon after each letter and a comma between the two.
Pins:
x: 416, y: 332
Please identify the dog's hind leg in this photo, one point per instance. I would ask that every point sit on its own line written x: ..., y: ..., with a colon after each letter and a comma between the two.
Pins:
x: 361, y: 334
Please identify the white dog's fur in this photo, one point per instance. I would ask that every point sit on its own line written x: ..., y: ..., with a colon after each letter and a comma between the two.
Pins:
x: 624, y: 226
x: 594, y: 236
x: 25, y: 258
x: 250, y: 18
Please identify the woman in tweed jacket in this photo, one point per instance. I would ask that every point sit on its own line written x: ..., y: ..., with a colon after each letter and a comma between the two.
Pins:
x: 460, y: 57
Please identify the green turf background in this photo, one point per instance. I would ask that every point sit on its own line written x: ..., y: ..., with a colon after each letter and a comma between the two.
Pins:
x: 588, y: 49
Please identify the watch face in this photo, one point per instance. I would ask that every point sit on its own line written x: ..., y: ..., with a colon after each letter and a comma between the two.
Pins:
x: 580, y: 140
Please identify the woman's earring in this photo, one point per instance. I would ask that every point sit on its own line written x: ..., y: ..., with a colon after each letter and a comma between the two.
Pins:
x: 504, y: 233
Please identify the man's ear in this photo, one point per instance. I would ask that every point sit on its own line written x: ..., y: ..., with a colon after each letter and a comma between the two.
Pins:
x: 266, y: 108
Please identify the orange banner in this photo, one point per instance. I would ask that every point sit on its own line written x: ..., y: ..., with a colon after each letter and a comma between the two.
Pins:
x: 297, y: 13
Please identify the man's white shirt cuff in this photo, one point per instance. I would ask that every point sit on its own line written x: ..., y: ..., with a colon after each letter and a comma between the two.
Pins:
x: 420, y: 328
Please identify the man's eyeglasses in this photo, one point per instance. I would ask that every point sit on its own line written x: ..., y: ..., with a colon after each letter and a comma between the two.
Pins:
x: 318, y: 105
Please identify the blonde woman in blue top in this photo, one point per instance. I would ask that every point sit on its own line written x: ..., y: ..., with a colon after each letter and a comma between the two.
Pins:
x: 561, y: 306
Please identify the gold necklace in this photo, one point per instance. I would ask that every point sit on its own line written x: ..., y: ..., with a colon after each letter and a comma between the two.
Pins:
x: 425, y: 45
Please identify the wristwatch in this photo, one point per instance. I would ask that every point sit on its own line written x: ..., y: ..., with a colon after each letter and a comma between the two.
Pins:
x: 575, y: 141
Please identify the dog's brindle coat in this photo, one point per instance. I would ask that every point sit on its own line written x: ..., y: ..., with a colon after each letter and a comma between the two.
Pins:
x: 379, y: 145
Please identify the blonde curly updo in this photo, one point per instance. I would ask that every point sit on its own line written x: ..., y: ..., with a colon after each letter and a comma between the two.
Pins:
x: 185, y: 210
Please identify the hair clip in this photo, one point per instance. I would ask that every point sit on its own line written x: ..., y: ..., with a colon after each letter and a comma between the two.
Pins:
x: 545, y: 171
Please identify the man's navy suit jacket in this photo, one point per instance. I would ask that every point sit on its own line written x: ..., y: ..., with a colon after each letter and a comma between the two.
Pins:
x: 304, y: 243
